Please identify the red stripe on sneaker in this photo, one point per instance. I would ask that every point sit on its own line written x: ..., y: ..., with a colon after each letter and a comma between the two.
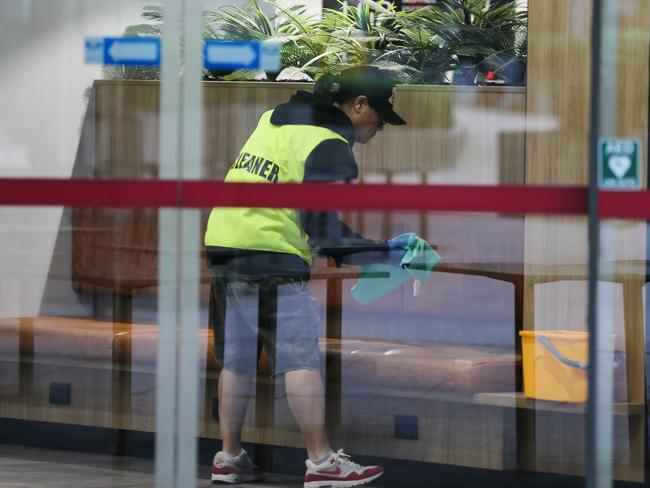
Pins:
x: 354, y: 476
x: 329, y: 471
x: 224, y: 470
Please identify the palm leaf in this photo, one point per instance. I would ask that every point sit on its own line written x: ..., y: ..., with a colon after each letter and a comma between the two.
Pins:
x: 245, y: 75
x: 142, y: 30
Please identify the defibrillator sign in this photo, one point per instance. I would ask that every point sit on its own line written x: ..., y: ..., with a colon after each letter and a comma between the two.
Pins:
x: 618, y: 163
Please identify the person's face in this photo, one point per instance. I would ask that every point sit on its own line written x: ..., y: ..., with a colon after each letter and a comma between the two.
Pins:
x: 365, y: 119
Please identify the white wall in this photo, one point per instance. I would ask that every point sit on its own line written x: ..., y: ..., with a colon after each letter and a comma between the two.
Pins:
x: 42, y: 83
x: 313, y: 7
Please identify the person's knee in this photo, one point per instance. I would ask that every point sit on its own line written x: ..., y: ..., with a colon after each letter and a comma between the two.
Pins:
x: 301, y: 371
x: 302, y: 379
x: 233, y: 381
x: 243, y: 374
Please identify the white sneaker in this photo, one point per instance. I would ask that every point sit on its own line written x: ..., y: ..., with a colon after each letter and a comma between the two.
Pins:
x: 339, y: 471
x: 233, y: 469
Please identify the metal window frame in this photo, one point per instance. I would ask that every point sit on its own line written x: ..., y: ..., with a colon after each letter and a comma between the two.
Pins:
x: 181, y: 136
x: 603, y: 123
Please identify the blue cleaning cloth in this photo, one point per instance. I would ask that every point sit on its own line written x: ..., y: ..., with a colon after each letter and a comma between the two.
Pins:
x: 418, y: 262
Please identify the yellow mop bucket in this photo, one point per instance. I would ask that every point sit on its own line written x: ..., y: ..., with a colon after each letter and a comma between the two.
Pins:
x: 555, y: 365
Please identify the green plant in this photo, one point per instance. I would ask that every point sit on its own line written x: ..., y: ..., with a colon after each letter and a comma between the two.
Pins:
x: 480, y: 38
x: 302, y: 42
x: 369, y: 33
x: 422, y: 46
x: 422, y: 51
x: 153, y: 14
x: 313, y: 49
x: 251, y: 23
x: 375, y: 24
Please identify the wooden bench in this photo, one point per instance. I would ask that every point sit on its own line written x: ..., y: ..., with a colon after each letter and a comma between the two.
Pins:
x: 442, y: 401
x: 48, y: 355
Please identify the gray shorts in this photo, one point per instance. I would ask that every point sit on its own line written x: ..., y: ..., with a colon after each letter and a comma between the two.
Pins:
x: 278, y: 314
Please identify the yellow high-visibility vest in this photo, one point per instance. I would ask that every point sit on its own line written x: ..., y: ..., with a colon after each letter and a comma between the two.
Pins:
x: 272, y: 154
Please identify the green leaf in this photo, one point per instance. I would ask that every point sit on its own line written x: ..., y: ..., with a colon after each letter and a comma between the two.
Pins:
x: 142, y: 30
x: 244, y: 75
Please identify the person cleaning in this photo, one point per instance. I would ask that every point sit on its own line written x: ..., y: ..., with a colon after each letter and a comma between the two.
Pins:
x: 260, y: 260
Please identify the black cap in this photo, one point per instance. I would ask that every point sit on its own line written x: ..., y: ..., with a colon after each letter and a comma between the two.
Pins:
x: 376, y: 84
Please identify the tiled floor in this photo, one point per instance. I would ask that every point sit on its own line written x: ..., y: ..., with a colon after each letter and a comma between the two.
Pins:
x: 29, y: 467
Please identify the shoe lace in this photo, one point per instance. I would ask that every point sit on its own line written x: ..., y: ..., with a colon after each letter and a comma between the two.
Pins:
x: 343, y: 458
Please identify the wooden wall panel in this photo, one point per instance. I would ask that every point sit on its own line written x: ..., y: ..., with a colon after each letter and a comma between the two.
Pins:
x: 557, y: 150
x: 231, y: 113
x: 557, y: 96
x: 558, y: 91
x: 633, y: 93
x: 453, y: 134
x: 633, y: 73
x: 453, y: 131
x: 126, y: 130
x: 557, y: 113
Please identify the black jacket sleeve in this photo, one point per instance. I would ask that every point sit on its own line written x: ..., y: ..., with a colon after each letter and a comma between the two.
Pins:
x: 332, y: 160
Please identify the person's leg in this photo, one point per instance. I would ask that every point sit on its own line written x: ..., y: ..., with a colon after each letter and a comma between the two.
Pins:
x: 297, y: 356
x: 306, y: 397
x: 324, y: 467
x: 236, y: 349
x: 235, y: 390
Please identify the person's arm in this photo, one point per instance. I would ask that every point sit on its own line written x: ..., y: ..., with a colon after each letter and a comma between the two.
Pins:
x: 332, y: 161
x: 332, y: 237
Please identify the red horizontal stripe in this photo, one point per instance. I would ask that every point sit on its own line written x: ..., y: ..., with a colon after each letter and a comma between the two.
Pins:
x: 550, y: 200
x: 505, y: 199
x: 88, y: 193
x: 625, y: 205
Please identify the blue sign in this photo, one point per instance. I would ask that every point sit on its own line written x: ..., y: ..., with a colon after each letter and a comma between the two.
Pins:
x: 233, y: 55
x: 271, y: 56
x: 219, y: 55
x: 141, y: 51
x: 131, y: 51
x: 94, y: 50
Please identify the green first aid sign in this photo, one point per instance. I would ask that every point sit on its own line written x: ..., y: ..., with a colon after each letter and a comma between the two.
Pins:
x: 619, y: 167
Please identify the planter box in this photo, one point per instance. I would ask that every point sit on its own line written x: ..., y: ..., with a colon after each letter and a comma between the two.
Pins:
x: 454, y: 134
